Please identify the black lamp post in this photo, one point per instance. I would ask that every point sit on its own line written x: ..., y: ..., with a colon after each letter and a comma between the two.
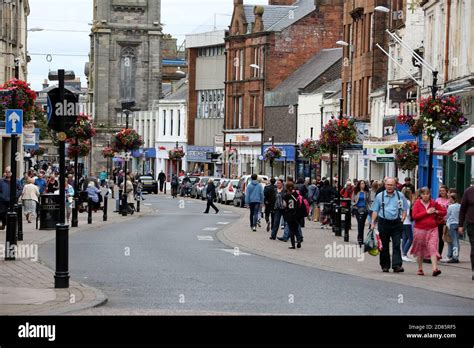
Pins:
x: 321, y: 160
x: 74, y: 219
x: 230, y: 161
x: 339, y: 154
x: 434, y: 90
x: 126, y: 109
x: 271, y: 161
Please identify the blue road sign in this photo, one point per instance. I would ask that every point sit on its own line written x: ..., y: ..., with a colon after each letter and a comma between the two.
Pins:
x: 14, y: 122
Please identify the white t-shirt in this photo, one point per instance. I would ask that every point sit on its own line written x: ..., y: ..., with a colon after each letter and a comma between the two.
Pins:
x: 408, y: 218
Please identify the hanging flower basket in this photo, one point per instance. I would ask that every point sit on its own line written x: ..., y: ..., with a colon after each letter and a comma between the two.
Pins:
x: 126, y: 140
x: 338, y: 132
x: 81, y: 150
x: 407, y: 156
x: 40, y: 151
x: 176, y: 154
x: 25, y: 99
x: 272, y: 153
x: 83, y: 129
x: 311, y: 149
x: 108, y: 152
x: 442, y: 116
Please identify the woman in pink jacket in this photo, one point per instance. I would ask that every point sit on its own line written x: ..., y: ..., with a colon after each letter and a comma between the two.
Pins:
x: 426, y: 214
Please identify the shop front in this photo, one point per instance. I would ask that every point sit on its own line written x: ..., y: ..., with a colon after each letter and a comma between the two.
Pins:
x: 242, y: 152
x: 144, y: 161
x: 283, y: 166
x: 200, y: 163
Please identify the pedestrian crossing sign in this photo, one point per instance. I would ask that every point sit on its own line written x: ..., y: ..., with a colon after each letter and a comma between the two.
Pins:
x: 14, y: 122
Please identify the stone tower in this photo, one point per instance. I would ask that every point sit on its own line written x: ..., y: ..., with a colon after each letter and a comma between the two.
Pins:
x: 125, y: 64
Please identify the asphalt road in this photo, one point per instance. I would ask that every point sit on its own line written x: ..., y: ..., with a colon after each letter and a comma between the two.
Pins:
x: 167, y: 263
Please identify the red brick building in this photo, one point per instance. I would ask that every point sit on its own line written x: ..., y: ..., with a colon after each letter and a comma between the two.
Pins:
x: 365, y: 66
x: 265, y: 45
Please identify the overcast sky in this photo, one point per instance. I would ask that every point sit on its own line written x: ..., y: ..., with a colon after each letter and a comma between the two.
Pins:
x: 66, y: 34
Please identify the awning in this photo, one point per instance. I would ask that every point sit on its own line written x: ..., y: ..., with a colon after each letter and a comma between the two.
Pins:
x: 470, y: 151
x: 455, y: 143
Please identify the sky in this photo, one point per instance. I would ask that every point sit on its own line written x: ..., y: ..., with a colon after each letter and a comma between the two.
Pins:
x: 66, y: 30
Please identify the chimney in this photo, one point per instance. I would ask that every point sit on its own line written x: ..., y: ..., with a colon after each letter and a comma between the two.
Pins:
x: 258, y: 24
x: 281, y: 2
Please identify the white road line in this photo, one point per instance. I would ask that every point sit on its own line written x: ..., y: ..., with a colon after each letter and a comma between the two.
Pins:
x: 222, y: 223
x: 206, y: 238
x: 147, y: 204
x: 235, y: 252
x: 228, y: 212
x: 210, y: 229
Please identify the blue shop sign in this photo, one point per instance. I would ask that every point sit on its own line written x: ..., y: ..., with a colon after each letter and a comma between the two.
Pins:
x: 403, y: 133
x: 199, y: 153
x: 149, y: 153
x: 288, y: 151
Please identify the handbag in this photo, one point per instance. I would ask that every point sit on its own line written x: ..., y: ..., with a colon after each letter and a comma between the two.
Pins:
x: 446, y: 236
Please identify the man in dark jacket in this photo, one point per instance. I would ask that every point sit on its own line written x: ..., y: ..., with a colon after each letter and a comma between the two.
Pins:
x: 269, y: 194
x: 161, y: 179
x: 5, y: 195
x: 211, y: 195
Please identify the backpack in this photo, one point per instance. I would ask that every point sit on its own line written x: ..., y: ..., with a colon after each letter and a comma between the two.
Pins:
x: 302, y: 207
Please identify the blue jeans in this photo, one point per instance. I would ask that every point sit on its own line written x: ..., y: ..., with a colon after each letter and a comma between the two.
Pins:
x: 453, y: 247
x: 276, y: 222
x: 407, y: 239
x: 286, y: 234
x: 254, y: 210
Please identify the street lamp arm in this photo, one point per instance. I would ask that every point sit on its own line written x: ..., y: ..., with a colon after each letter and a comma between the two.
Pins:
x: 401, y: 66
x: 412, y: 52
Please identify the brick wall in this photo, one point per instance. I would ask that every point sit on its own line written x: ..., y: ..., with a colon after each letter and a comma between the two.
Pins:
x: 295, y: 45
x: 192, y: 95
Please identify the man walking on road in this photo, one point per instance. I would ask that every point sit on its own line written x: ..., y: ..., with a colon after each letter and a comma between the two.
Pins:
x: 466, y: 215
x: 254, y: 198
x: 390, y: 207
x: 161, y: 179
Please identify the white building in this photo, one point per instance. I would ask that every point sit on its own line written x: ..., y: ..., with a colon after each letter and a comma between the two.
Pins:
x: 161, y: 129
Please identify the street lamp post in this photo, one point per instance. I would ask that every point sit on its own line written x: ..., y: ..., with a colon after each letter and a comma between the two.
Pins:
x: 271, y: 161
x: 74, y: 219
x: 321, y: 159
x: 230, y: 161
x: 124, y: 193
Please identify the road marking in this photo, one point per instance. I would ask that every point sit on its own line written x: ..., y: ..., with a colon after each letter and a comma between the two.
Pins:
x: 222, y: 223
x: 236, y: 253
x: 228, y: 212
x: 206, y: 238
x: 210, y: 229
x: 147, y: 204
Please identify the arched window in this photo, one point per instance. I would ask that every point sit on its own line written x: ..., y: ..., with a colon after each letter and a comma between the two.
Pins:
x: 127, y: 73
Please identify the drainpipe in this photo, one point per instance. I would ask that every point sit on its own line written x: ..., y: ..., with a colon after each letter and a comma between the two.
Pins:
x: 446, y: 51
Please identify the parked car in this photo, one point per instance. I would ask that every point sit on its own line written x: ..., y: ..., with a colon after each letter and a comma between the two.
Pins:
x: 204, y: 190
x: 229, y: 190
x: 200, y: 186
x: 239, y: 196
x: 149, y: 184
x: 220, y: 189
x: 185, y: 187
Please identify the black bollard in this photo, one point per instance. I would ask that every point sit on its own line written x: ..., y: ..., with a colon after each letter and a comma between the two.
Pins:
x: 104, y: 218
x: 89, y: 211
x: 75, y: 211
x: 124, y: 204
x: 337, y: 221
x: 138, y: 204
x: 347, y: 225
x: 11, y: 235
x: 19, y: 212
x: 61, y: 277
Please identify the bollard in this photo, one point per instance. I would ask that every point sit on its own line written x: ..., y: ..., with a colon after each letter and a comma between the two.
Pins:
x: 19, y: 212
x: 105, y: 207
x: 337, y: 221
x: 138, y: 204
x: 61, y: 276
x: 347, y: 225
x: 75, y: 211
x: 118, y: 206
x: 124, y: 204
x: 89, y: 211
x: 11, y: 235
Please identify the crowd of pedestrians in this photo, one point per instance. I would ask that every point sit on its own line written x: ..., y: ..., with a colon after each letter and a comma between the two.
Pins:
x: 413, y: 226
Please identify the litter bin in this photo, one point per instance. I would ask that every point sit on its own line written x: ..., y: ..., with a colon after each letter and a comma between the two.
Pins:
x: 49, y: 211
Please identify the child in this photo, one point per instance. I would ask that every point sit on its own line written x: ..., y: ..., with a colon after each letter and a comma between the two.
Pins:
x: 452, y: 223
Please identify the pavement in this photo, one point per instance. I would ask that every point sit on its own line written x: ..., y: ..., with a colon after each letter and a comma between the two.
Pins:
x: 322, y: 250
x: 27, y: 285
